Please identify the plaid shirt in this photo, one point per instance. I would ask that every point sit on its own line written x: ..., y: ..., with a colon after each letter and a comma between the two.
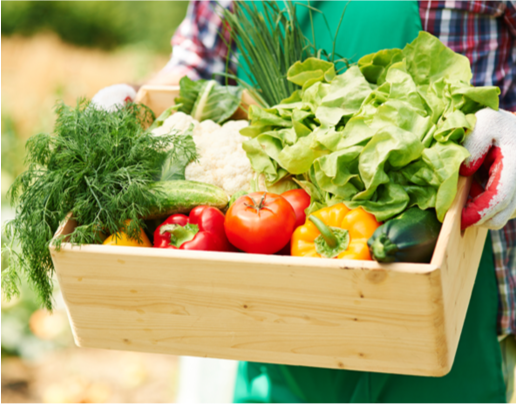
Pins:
x: 484, y: 31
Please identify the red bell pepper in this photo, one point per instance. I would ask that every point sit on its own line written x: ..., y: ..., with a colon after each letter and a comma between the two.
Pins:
x: 203, y: 230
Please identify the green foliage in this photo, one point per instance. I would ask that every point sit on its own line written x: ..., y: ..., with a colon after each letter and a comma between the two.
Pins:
x: 98, y: 165
x: 17, y: 338
x: 12, y: 149
x: 102, y: 24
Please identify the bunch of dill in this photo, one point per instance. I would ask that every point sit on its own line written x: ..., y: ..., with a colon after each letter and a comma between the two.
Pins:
x: 98, y: 165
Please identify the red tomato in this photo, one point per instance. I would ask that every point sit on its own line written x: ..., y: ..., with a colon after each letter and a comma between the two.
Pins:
x: 260, y: 223
x: 300, y: 200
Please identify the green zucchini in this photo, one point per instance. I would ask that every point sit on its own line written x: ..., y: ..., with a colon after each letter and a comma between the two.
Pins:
x: 182, y: 196
x: 410, y: 237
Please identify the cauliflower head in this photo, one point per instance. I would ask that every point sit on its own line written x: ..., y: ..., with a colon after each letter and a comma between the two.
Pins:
x: 222, y: 160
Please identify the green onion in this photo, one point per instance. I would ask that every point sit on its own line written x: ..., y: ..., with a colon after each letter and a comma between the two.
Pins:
x: 268, y: 43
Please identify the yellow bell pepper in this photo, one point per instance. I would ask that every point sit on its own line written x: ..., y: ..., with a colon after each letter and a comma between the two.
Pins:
x: 122, y: 239
x: 335, y: 232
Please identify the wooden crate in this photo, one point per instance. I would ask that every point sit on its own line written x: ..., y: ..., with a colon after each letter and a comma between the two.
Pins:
x: 157, y: 98
x: 396, y: 318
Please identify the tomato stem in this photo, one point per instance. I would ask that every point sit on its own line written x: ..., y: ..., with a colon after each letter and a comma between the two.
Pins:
x: 258, y: 206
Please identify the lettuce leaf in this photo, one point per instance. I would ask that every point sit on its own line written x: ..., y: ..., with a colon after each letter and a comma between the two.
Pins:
x: 389, y: 200
x: 445, y: 159
x: 391, y: 146
x: 346, y: 94
x: 374, y: 67
x: 310, y: 71
x: 384, y: 135
x: 428, y: 60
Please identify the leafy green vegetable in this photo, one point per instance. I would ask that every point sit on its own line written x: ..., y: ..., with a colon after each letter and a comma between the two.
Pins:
x: 179, y: 156
x: 384, y: 135
x: 206, y: 99
x: 98, y: 165
x: 311, y: 71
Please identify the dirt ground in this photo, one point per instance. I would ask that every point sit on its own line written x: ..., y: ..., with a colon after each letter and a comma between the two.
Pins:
x: 80, y: 375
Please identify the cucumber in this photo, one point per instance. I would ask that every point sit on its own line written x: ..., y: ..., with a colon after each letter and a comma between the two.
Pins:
x: 410, y: 237
x: 236, y: 196
x: 182, y: 196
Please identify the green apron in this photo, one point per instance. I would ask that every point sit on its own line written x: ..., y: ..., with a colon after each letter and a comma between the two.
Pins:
x: 476, y: 375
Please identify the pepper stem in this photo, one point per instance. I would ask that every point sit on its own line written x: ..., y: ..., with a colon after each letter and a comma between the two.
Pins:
x: 325, y: 231
x: 179, y: 234
x: 383, y: 249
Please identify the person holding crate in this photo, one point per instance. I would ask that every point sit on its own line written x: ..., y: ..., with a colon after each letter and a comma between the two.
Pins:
x: 485, y: 32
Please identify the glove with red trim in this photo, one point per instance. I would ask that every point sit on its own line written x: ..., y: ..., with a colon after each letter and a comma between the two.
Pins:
x: 109, y: 98
x: 492, y: 146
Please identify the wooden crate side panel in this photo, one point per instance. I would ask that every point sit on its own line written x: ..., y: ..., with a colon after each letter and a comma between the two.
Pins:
x: 458, y: 255
x: 314, y: 316
x: 142, y: 96
x: 458, y: 277
x: 158, y: 98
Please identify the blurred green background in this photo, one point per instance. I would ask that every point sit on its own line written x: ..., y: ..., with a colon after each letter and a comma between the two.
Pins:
x: 105, y: 25
x: 65, y: 50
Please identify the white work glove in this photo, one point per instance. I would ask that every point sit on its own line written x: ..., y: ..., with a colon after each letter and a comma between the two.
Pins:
x: 492, y: 145
x: 110, y: 98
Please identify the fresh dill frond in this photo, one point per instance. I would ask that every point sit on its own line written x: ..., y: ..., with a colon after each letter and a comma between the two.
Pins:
x: 98, y: 165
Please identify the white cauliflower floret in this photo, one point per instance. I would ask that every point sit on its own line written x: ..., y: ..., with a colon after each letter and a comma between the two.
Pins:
x: 222, y: 161
x: 179, y: 121
x: 236, y: 126
x: 206, y: 127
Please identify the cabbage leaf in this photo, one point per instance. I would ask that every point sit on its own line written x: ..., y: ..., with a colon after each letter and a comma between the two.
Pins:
x: 206, y: 99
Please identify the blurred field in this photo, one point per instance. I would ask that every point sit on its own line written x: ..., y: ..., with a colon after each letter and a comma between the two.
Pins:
x: 90, y: 376
x: 39, y: 70
x: 40, y: 363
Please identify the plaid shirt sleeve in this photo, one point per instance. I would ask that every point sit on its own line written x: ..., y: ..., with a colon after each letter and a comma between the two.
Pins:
x: 504, y: 250
x: 485, y: 32
x: 198, y: 51
x: 510, y: 17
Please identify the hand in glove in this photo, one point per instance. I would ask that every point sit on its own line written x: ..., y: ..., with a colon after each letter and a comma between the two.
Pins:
x: 109, y: 98
x: 492, y: 145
